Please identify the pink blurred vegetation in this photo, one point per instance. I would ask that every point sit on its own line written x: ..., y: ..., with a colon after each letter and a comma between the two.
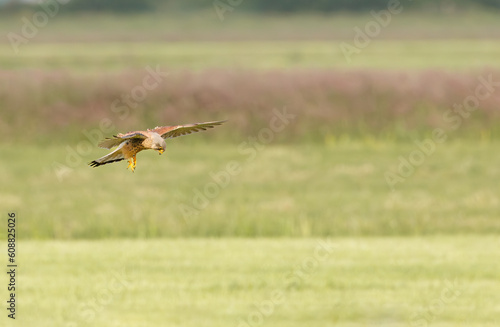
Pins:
x: 328, y: 104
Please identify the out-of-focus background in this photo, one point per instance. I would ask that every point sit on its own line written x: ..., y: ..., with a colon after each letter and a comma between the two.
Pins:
x: 354, y: 184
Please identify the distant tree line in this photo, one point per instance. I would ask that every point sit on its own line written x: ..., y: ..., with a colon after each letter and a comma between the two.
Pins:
x: 277, y: 6
x: 360, y: 5
x: 109, y: 5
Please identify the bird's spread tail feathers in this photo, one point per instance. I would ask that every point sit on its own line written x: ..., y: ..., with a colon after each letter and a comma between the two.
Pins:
x: 114, y: 156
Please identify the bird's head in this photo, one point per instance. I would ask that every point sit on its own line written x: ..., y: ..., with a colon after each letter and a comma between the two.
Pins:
x: 159, y: 144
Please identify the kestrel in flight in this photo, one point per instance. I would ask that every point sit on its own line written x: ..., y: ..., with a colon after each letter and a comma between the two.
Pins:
x: 131, y: 143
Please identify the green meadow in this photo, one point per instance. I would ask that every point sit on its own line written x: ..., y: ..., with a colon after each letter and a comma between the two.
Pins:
x: 391, y: 55
x: 348, y: 216
x: 216, y: 189
x: 439, y: 281
x: 196, y: 41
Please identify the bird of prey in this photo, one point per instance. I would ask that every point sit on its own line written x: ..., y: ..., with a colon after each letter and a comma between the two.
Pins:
x: 131, y: 143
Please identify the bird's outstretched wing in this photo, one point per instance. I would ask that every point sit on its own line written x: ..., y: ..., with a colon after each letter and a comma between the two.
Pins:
x: 109, y: 143
x: 174, y: 131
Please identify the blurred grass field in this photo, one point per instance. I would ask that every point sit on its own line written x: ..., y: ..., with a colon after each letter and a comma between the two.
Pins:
x: 196, y: 41
x: 280, y: 190
x: 323, y: 179
x: 389, y: 55
x: 243, y: 26
x: 399, y: 281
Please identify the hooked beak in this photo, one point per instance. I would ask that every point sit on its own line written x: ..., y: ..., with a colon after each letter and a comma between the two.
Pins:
x: 161, y: 151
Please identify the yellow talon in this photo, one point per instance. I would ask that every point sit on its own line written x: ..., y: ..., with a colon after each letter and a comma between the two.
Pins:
x: 132, y: 163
